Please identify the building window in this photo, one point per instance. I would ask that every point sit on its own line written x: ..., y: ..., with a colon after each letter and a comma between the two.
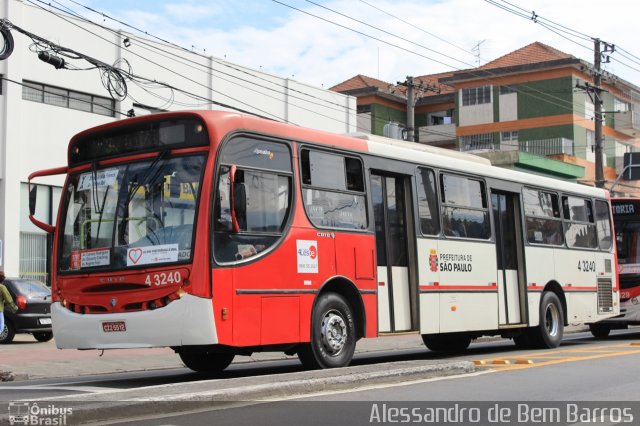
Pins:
x: 476, y: 95
x: 65, y: 98
x: 505, y: 90
x: 476, y: 142
x: 509, y: 136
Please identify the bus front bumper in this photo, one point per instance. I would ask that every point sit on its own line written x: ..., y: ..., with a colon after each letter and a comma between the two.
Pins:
x: 186, y: 321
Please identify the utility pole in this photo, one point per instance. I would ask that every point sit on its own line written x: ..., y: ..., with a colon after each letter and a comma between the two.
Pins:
x: 595, y: 93
x: 411, y: 112
x: 412, y: 135
x: 597, y: 104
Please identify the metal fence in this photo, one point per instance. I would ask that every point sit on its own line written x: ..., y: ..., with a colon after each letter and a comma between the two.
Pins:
x: 548, y: 146
x: 33, y: 256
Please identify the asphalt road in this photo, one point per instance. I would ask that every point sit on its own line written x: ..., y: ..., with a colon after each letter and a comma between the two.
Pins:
x: 585, y: 380
x: 551, y: 375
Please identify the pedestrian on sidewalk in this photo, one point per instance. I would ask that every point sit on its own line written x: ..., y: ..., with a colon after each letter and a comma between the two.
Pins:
x: 5, y: 297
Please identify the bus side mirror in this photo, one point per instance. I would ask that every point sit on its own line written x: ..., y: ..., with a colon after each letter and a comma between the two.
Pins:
x: 238, y: 200
x: 33, y: 194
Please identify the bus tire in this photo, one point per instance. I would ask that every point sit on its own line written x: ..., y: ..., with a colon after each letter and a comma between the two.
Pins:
x: 7, y: 335
x: 600, y: 330
x: 206, y: 361
x: 446, y: 343
x: 548, y: 334
x: 333, y: 334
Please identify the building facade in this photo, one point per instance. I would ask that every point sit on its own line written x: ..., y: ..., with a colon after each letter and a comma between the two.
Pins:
x: 525, y: 110
x: 42, y: 107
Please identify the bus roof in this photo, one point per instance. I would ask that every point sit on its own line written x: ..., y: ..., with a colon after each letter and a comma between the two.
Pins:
x: 222, y: 123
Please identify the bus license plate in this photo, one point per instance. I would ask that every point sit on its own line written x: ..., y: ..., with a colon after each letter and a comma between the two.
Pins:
x: 113, y: 326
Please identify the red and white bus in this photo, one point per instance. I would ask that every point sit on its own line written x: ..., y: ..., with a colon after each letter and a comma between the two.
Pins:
x: 626, y: 219
x: 219, y: 234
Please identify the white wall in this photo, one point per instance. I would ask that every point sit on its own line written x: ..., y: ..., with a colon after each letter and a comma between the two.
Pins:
x: 508, y: 105
x: 475, y: 114
x: 34, y: 136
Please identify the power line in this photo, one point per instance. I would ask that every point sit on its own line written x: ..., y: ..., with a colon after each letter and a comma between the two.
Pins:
x: 169, y: 70
x: 560, y: 29
x: 225, y: 64
x: 533, y: 89
x: 160, y: 52
x: 417, y: 28
x: 484, y: 75
x: 389, y: 33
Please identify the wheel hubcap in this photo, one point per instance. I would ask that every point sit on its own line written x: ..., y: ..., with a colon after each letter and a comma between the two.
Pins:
x: 334, y: 333
x: 4, y: 333
x: 552, y: 320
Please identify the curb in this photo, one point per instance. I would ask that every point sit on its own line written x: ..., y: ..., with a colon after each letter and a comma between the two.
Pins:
x: 212, y: 394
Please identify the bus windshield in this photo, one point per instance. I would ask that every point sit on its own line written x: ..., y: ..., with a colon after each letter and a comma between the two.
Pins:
x: 628, y: 244
x: 133, y: 214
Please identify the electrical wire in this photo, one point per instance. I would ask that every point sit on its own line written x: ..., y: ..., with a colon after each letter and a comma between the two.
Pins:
x: 199, y: 96
x: 161, y: 51
x: 544, y: 99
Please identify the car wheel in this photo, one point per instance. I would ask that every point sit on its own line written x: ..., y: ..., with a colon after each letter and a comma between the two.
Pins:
x: 7, y: 335
x: 43, y: 336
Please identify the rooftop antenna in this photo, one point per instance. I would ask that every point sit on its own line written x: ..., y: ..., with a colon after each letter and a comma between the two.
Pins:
x: 476, y: 50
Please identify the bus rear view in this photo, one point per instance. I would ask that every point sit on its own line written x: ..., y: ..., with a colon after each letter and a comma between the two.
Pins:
x: 626, y: 217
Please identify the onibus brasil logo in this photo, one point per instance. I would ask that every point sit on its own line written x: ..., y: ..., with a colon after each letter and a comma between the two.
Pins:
x: 26, y: 413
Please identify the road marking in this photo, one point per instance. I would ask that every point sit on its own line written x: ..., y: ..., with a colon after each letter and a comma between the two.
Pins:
x: 560, y: 356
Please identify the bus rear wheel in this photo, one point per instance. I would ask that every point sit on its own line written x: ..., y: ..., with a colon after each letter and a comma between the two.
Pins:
x: 206, y: 361
x: 548, y: 334
x: 333, y: 334
x: 446, y: 342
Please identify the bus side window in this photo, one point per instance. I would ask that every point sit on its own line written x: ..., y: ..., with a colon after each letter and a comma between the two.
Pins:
x: 252, y: 206
x: 427, y: 202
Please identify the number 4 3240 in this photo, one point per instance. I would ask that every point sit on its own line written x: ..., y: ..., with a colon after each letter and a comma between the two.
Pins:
x: 163, y: 278
x: 586, y: 266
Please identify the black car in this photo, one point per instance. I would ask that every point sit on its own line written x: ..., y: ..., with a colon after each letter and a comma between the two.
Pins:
x: 34, y: 310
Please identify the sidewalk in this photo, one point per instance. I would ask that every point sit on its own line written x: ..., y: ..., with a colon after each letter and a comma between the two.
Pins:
x: 26, y: 358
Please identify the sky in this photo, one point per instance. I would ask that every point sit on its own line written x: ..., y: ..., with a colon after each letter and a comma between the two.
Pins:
x: 323, y: 43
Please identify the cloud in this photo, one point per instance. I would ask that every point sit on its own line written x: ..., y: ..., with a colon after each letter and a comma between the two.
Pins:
x: 185, y: 12
x: 274, y: 38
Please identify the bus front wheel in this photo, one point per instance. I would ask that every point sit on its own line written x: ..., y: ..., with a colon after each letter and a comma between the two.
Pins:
x: 333, y: 334
x: 205, y: 361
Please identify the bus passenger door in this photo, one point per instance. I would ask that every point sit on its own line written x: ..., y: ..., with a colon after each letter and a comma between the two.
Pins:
x: 396, y: 301
x: 510, y: 257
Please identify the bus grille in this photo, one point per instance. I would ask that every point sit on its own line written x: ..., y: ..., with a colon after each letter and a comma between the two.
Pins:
x: 605, y: 296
